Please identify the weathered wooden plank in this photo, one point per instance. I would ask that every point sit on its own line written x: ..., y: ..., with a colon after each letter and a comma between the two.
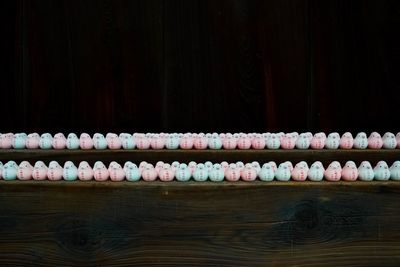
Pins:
x: 199, y: 224
x: 325, y: 156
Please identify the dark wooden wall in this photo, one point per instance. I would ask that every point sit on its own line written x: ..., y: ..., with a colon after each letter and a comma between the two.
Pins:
x: 204, y: 65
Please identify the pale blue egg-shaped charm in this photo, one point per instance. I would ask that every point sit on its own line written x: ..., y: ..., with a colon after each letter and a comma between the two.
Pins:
x: 381, y: 171
x: 172, y: 141
x: 316, y: 172
x: 182, y: 173
x: 283, y: 172
x: 19, y: 140
x: 332, y: 141
x: 395, y: 171
x: 46, y: 141
x: 10, y: 170
x: 132, y: 172
x: 389, y: 141
x: 361, y: 141
x: 72, y: 141
x: 127, y: 140
x: 217, y: 173
x: 215, y: 141
x: 365, y: 171
x: 99, y: 141
x: 70, y: 171
x: 266, y: 173
x: 200, y: 174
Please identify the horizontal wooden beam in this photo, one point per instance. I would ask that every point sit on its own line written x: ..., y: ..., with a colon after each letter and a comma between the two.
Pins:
x: 325, y: 156
x: 199, y: 224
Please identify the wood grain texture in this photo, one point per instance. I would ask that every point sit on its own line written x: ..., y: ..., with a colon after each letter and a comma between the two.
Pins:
x: 152, y: 156
x: 199, y: 224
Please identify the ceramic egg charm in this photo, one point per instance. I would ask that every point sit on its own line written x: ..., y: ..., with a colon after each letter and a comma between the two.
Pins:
x: 200, y: 141
x: 166, y: 173
x: 267, y: 172
x: 85, y: 172
x: 381, y: 171
x: 132, y: 172
x: 248, y: 173
x: 32, y: 141
x: 398, y: 139
x: 24, y: 171
x: 157, y: 142
x: 361, y: 141
x: 258, y: 142
x: 175, y: 165
x: 116, y: 172
x: 172, y: 141
x: 200, y: 174
x: 113, y: 141
x: 334, y: 172
x: 46, y: 141
x: 142, y: 141
x: 186, y: 141
x: 273, y: 141
x: 395, y: 171
x: 316, y: 172
x: 229, y: 142
x: 232, y: 173
x: 332, y: 141
x: 389, y: 141
x: 350, y: 171
x: 70, y: 171
x: 365, y: 171
x: 85, y: 141
x: 215, y: 142
x: 59, y: 141
x: 10, y: 170
x: 303, y: 141
x: 54, y: 171
x: 39, y: 171
x: 300, y: 171
x: 283, y: 172
x: 192, y: 166
x: 149, y: 173
x: 244, y: 141
x: 19, y: 141
x: 375, y: 141
x: 72, y: 141
x: 182, y: 173
x: 6, y: 140
x: 217, y: 173
x: 99, y: 141
x: 318, y: 141
x: 288, y: 141
x: 346, y: 141
x: 127, y: 141
x: 100, y: 171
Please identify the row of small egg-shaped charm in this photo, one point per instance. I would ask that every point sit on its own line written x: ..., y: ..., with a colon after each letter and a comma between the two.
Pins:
x: 200, y: 171
x: 201, y: 141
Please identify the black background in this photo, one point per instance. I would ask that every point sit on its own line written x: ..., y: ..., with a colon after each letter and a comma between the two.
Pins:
x: 204, y: 65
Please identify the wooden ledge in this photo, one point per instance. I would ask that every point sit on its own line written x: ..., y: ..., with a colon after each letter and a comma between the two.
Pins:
x: 325, y: 156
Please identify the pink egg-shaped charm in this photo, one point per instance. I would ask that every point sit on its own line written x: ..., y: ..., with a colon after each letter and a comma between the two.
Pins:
x: 100, y: 171
x: 244, y: 141
x: 232, y: 173
x: 186, y: 141
x: 398, y: 139
x: 200, y: 141
x: 116, y: 172
x: 159, y: 165
x: 229, y: 141
x: 142, y: 141
x: 24, y: 171
x: 85, y: 141
x: 32, y: 141
x: 6, y: 140
x: 258, y: 142
x: 318, y: 141
x: 300, y: 171
x: 157, y: 141
x: 288, y: 141
x: 375, y: 141
x: 248, y: 173
x: 350, y: 171
x: 113, y: 141
x: 149, y: 173
x: 59, y: 141
x: 347, y: 141
x: 85, y: 172
x: 333, y: 172
x: 39, y: 171
x: 166, y: 173
x: 54, y: 171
